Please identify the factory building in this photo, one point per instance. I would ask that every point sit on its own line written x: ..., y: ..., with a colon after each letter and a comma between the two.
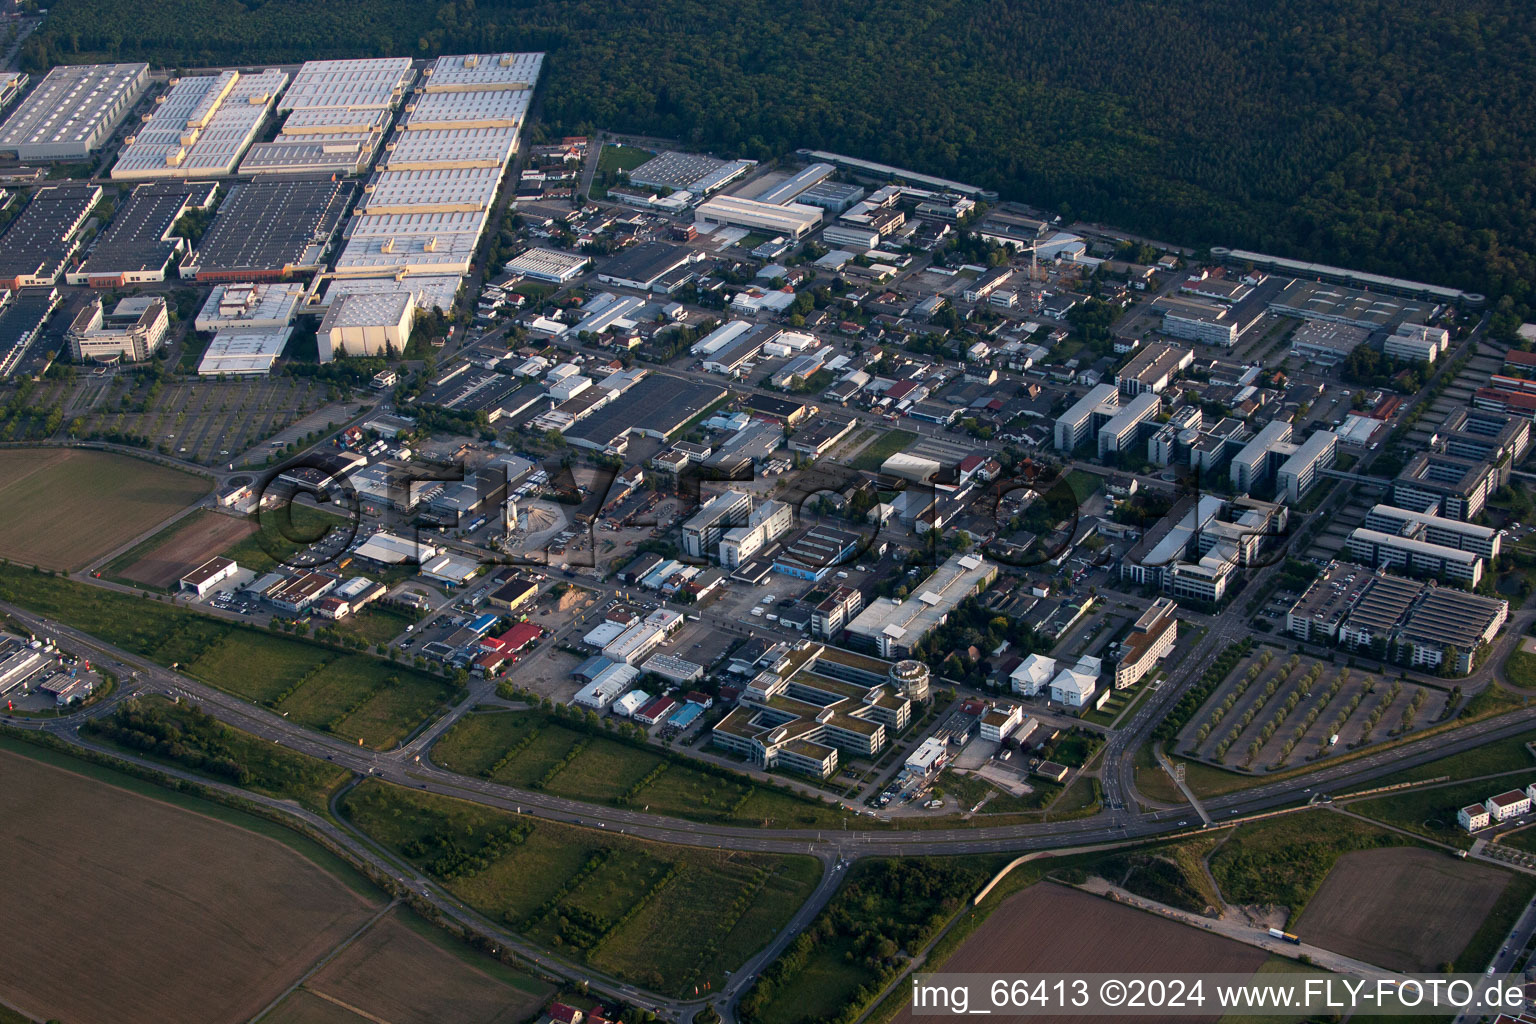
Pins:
x: 791, y: 220
x: 73, y: 111
x: 201, y: 127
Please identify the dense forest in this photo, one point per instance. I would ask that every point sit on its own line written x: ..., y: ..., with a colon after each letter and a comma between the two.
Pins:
x: 1390, y: 135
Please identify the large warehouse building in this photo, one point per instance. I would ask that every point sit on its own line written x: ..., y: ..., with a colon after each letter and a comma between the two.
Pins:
x: 40, y: 241
x: 367, y: 325
x: 73, y: 111
x: 267, y: 229
x: 201, y: 127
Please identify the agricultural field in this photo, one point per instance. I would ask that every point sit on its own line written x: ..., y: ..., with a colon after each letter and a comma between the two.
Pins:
x: 402, y: 970
x: 355, y: 696
x: 1274, y: 712
x: 594, y: 896
x: 165, y: 558
x: 66, y: 507
x: 1103, y: 934
x: 1403, y: 909
x: 198, y: 419
x: 149, y: 889
x: 535, y: 749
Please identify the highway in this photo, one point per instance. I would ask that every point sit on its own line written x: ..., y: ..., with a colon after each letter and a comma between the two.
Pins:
x: 402, y: 766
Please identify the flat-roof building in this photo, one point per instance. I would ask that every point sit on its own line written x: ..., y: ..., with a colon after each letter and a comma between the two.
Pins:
x: 1444, y: 484
x: 1453, y: 533
x: 892, y: 629
x: 23, y: 348
x: 1326, y: 344
x: 201, y: 127
x: 270, y: 228
x: 367, y: 324
x: 792, y: 187
x: 688, y: 172
x: 640, y: 266
x: 657, y: 406
x: 1406, y: 621
x: 35, y: 248
x: 791, y: 220
x: 139, y: 244
x: 1152, y: 368
x: 1390, y: 550
x: 1081, y: 422
x: 550, y: 265
x: 131, y: 332
x: 72, y: 111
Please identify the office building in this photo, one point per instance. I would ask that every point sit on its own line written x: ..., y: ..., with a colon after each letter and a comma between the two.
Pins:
x: 796, y: 715
x: 1121, y: 431
x: 1209, y: 323
x: 1417, y: 343
x: 769, y: 521
x: 73, y: 111
x: 1444, y: 485
x: 1434, y: 529
x: 1391, y: 550
x: 1151, y: 637
x: 703, y: 530
x: 1080, y: 423
x: 1405, y: 621
x: 1152, y: 368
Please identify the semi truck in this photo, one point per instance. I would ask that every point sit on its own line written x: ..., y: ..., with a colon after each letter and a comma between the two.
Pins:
x: 1276, y: 933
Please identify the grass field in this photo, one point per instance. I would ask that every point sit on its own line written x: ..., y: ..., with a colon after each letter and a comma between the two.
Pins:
x: 1403, y: 909
x: 150, y: 889
x: 66, y: 507
x: 1520, y: 668
x: 885, y: 905
x: 602, y: 899
x: 277, y: 536
x: 404, y: 971
x: 881, y: 448
x: 187, y: 543
x: 355, y: 696
x: 1283, y: 861
x: 520, y: 749
x: 183, y: 736
x: 1102, y: 933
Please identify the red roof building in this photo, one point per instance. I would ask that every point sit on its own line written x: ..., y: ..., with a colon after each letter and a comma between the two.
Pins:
x: 520, y: 636
x: 654, y: 710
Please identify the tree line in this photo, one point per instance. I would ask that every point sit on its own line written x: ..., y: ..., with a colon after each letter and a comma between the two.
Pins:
x: 1392, y: 137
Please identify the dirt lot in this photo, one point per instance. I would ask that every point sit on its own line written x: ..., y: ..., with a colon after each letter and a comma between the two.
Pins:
x: 1404, y: 909
x: 393, y: 973
x: 121, y: 909
x: 66, y: 507
x: 193, y: 541
x: 1026, y: 933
